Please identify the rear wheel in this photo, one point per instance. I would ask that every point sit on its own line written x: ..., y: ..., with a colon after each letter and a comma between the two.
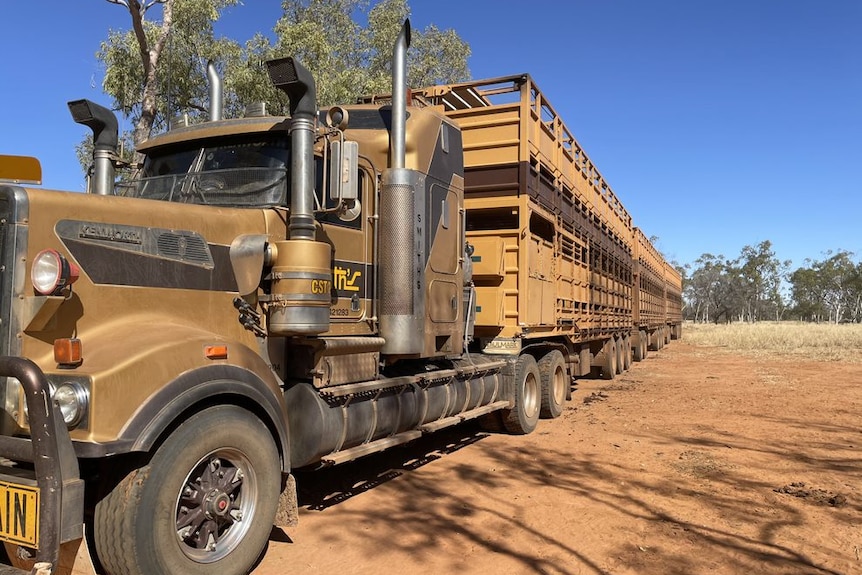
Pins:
x: 639, y: 350
x: 205, y: 503
x: 524, y: 416
x: 609, y: 366
x: 621, y: 359
x: 555, y: 384
x: 627, y: 353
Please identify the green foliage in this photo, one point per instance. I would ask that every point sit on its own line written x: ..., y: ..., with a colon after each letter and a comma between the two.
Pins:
x: 828, y: 289
x: 179, y: 82
x: 747, y: 288
x: 346, y: 60
x: 157, y: 69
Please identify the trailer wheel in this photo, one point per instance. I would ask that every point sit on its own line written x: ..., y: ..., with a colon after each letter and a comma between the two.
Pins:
x: 666, y: 335
x: 205, y: 503
x: 524, y: 416
x: 638, y: 351
x: 609, y: 366
x: 618, y: 342
x: 627, y: 352
x: 644, y: 344
x: 555, y: 384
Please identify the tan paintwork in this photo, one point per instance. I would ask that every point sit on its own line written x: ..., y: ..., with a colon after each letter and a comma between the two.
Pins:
x: 649, y: 281
x: 566, y: 264
x: 137, y: 339
x: 673, y: 294
x: 522, y: 158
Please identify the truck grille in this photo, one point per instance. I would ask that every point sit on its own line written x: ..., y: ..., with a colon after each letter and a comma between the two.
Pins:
x: 13, y: 236
x: 5, y: 288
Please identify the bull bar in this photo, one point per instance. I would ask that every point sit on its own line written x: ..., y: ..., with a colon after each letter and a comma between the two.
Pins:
x: 49, y: 448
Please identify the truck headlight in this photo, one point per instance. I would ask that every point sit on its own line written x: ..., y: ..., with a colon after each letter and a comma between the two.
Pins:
x: 51, y: 272
x: 12, y: 397
x: 72, y: 399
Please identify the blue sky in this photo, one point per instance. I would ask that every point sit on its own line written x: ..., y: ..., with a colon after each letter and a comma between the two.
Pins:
x: 719, y: 124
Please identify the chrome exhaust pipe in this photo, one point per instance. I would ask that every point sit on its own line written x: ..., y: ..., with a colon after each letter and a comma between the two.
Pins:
x: 398, y: 147
x: 216, y: 93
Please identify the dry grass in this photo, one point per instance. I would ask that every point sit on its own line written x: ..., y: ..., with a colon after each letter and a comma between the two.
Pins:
x: 823, y: 342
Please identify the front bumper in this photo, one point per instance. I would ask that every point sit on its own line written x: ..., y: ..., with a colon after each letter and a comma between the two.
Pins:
x: 54, y: 466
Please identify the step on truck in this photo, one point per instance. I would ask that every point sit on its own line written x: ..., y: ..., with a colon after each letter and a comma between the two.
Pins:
x: 273, y: 293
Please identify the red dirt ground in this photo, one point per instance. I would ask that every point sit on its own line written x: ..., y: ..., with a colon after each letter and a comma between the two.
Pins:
x: 695, y: 461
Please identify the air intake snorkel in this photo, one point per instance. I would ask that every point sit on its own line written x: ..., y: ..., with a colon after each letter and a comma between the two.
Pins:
x: 301, y: 274
x: 105, y: 129
x: 292, y: 78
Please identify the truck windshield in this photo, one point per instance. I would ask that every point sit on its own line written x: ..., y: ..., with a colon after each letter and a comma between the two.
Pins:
x: 238, y: 174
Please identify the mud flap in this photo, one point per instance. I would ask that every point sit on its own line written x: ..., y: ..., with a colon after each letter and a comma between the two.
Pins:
x: 288, y: 507
x: 75, y: 559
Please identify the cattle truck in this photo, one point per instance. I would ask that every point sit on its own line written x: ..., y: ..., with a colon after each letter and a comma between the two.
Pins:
x: 272, y: 293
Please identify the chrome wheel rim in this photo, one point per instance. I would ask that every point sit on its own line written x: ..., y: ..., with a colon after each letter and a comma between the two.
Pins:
x: 216, y: 504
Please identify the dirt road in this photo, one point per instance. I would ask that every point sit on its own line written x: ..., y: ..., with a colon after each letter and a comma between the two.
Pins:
x: 695, y: 461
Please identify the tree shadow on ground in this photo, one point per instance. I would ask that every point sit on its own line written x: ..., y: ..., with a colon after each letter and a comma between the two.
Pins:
x: 424, y: 506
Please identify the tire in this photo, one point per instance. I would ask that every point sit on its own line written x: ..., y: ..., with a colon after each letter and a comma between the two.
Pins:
x: 627, y: 352
x: 216, y: 479
x: 621, y: 358
x: 639, y: 350
x: 524, y: 416
x: 555, y: 384
x: 609, y: 366
x: 667, y: 335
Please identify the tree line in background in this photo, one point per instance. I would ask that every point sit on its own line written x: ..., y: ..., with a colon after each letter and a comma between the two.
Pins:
x: 758, y: 286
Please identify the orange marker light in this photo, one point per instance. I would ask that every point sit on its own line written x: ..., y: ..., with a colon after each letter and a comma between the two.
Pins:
x: 215, y: 352
x: 68, y: 352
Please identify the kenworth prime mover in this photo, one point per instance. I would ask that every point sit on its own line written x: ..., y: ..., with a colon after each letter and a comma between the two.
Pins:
x: 273, y: 293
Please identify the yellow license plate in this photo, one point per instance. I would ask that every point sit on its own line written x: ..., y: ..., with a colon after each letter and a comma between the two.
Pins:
x: 19, y: 514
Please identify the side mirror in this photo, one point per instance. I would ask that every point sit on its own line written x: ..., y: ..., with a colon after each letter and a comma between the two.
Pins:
x: 344, y: 170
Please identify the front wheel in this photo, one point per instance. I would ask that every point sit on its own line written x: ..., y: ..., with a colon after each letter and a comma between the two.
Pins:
x: 205, y: 503
x: 524, y: 416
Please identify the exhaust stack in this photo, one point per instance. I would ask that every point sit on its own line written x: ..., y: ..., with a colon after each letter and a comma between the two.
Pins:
x: 216, y: 93
x: 301, y: 274
x: 105, y: 129
x: 402, y: 258
x: 398, y: 147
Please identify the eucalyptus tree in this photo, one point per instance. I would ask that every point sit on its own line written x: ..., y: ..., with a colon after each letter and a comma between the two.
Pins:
x: 761, y: 274
x: 346, y: 59
x: 158, y: 67
x: 829, y: 289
